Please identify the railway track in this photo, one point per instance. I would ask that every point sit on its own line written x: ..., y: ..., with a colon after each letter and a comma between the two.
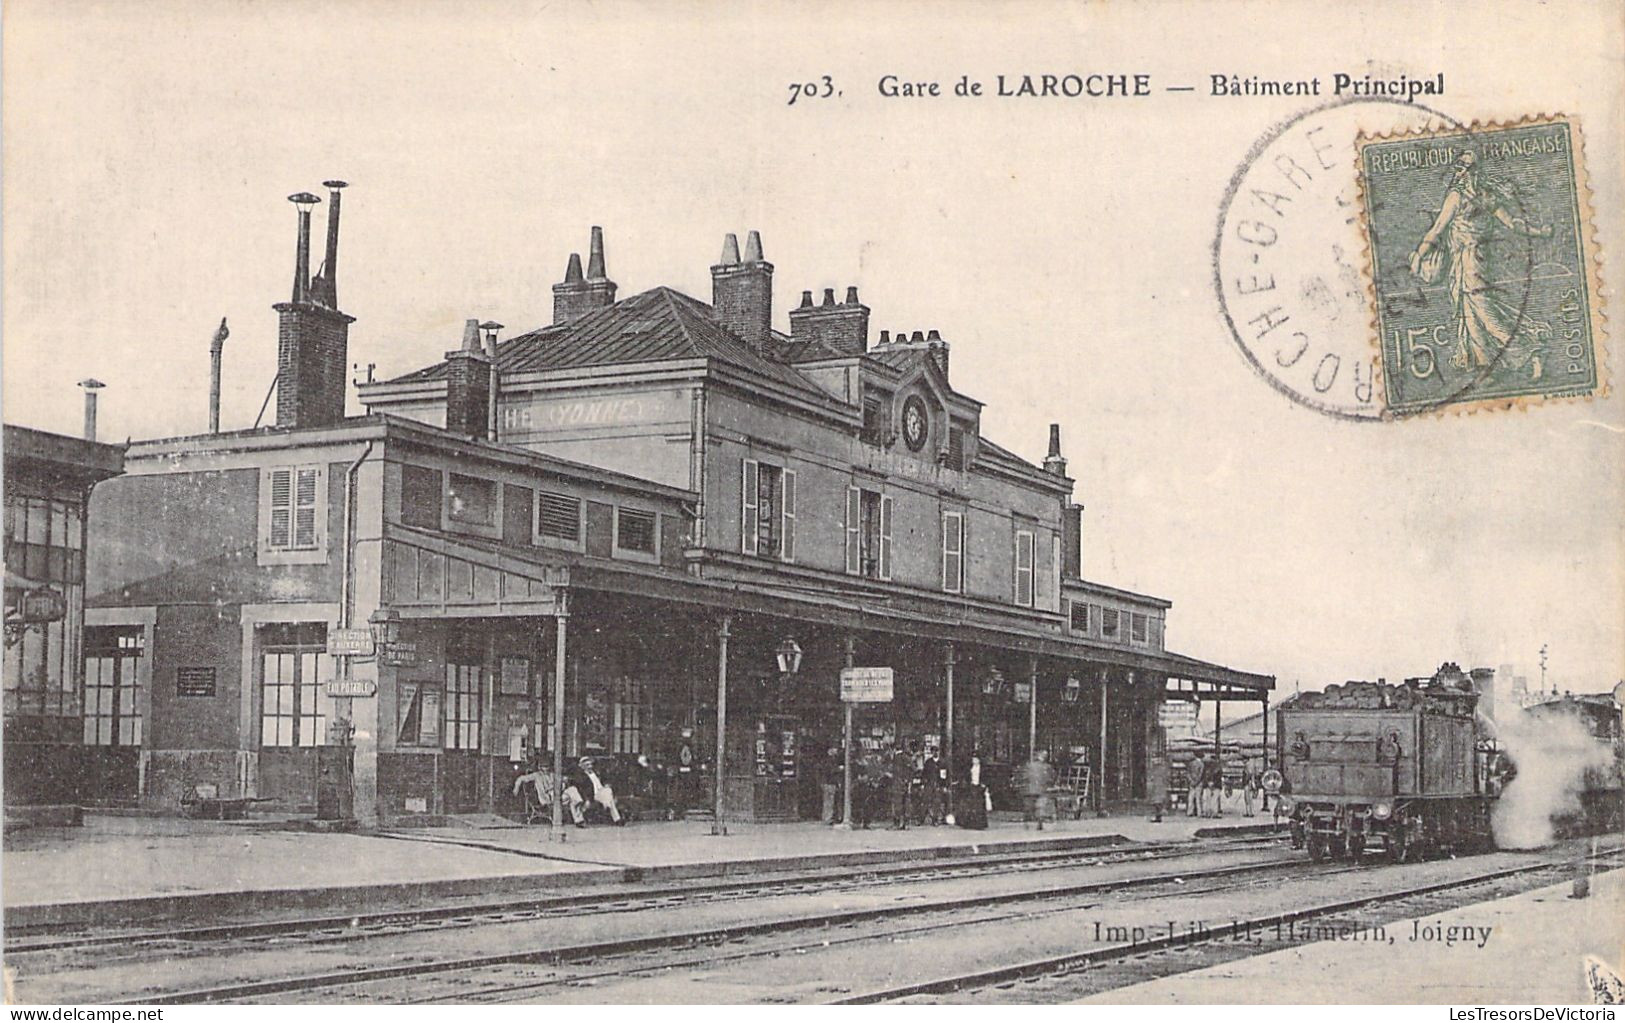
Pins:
x: 331, y: 984
x: 354, y: 926
x: 1074, y: 975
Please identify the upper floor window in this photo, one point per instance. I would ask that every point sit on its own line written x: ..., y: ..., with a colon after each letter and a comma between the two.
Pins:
x: 1024, y: 567
x: 767, y: 522
x: 1079, y: 616
x: 558, y: 517
x: 472, y: 501
x: 954, y: 456
x: 420, y: 496
x: 635, y: 531
x: 868, y: 533
x: 43, y: 540
x: 1110, y: 626
x: 1137, y: 631
x: 874, y: 421
x: 293, y: 514
x: 953, y: 552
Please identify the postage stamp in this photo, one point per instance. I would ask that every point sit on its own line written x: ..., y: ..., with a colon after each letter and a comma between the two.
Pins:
x: 1481, y: 264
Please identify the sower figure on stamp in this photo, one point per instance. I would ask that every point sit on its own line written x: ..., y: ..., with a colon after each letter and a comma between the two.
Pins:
x: 1485, y: 325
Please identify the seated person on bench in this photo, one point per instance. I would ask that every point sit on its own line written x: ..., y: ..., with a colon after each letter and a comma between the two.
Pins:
x: 584, y: 786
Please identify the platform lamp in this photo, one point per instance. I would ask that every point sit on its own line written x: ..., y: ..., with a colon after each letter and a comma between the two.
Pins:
x: 789, y: 656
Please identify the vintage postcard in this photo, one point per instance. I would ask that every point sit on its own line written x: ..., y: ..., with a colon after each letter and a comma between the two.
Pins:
x: 637, y: 504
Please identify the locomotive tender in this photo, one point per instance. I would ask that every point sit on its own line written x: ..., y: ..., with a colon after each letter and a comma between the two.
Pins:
x: 1404, y: 769
x: 1413, y: 769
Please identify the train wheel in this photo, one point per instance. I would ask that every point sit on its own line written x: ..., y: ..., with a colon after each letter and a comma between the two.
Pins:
x: 1317, y: 848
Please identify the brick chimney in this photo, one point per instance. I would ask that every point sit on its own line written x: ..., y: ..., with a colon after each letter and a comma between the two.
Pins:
x: 843, y: 327
x: 468, y: 386
x: 313, y: 337
x: 1071, y: 541
x: 578, y: 295
x: 742, y: 291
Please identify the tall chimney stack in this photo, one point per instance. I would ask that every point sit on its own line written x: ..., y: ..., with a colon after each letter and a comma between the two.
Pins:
x: 217, y: 346
x: 301, y: 254
x: 91, y: 386
x: 312, y: 336
x: 742, y: 291
x: 576, y: 296
x: 843, y: 327
x: 1053, y: 462
x: 326, y: 285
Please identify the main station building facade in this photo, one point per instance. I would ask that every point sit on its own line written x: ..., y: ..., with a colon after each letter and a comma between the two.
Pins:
x: 642, y: 504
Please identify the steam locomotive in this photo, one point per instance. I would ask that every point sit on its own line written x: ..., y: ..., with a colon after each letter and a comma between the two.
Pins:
x: 1411, y: 770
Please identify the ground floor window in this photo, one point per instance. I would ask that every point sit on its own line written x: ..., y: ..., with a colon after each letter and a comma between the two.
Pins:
x: 294, y: 705
x: 627, y: 722
x: 113, y: 685
x: 463, y: 680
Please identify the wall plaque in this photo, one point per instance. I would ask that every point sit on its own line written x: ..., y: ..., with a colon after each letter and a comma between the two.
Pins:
x: 194, y: 681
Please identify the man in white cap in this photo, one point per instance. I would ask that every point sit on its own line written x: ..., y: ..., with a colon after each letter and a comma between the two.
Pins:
x: 587, y: 787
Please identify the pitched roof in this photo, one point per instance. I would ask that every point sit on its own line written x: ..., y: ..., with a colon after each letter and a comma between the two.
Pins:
x: 654, y: 326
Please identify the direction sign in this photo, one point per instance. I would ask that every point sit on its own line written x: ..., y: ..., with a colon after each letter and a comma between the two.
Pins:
x: 349, y: 642
x: 351, y: 687
x: 866, y: 685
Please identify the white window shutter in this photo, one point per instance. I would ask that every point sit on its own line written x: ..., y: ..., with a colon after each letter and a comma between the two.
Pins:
x: 1024, y: 568
x: 787, y: 502
x: 885, y: 537
x: 854, y: 525
x: 280, y: 534
x: 747, y: 507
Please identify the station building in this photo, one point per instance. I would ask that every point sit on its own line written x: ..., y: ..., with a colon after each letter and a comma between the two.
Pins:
x: 647, y: 501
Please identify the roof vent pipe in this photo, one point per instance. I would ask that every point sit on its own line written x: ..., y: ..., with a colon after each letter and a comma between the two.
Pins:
x: 91, y: 386
x: 217, y: 345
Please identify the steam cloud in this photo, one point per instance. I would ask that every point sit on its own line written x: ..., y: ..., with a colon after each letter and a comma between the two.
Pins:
x: 1553, y: 754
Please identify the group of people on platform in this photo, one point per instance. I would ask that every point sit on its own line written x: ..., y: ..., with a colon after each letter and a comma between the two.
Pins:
x: 584, y: 790
x: 1209, y: 786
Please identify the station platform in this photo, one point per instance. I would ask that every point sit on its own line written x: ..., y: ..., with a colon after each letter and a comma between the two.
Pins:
x: 130, y: 870
x: 1458, y: 957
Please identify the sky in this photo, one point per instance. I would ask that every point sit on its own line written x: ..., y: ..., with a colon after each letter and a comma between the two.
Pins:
x: 1061, y: 246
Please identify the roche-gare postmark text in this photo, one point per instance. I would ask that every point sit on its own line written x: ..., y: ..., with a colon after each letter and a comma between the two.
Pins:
x: 1061, y: 84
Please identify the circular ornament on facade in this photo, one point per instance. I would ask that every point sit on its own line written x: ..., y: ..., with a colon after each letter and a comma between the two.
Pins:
x: 916, y: 424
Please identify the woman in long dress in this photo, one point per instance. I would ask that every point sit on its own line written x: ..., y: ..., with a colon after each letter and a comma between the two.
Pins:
x: 1484, y: 323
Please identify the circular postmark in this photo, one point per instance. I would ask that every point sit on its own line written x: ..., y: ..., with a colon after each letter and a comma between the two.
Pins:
x: 1297, y: 236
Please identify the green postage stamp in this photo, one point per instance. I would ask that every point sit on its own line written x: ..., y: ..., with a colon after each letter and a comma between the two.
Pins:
x: 1483, y: 265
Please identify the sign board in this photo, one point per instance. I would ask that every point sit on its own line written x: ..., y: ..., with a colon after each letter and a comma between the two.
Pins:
x: 349, y: 642
x: 35, y: 606
x: 194, y: 681
x: 1023, y: 692
x: 866, y: 685
x: 351, y: 687
x: 398, y: 655
x: 514, y: 679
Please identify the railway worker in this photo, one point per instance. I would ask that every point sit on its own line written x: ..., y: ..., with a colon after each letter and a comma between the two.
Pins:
x: 1212, y: 785
x: 931, y: 788
x: 898, y: 782
x: 585, y: 786
x: 1250, y: 787
x: 830, y: 772
x: 1195, y: 771
x: 1036, y: 780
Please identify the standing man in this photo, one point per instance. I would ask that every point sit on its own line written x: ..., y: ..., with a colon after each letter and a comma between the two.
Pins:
x: 829, y: 783
x: 902, y: 773
x: 1195, y: 774
x: 931, y: 788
